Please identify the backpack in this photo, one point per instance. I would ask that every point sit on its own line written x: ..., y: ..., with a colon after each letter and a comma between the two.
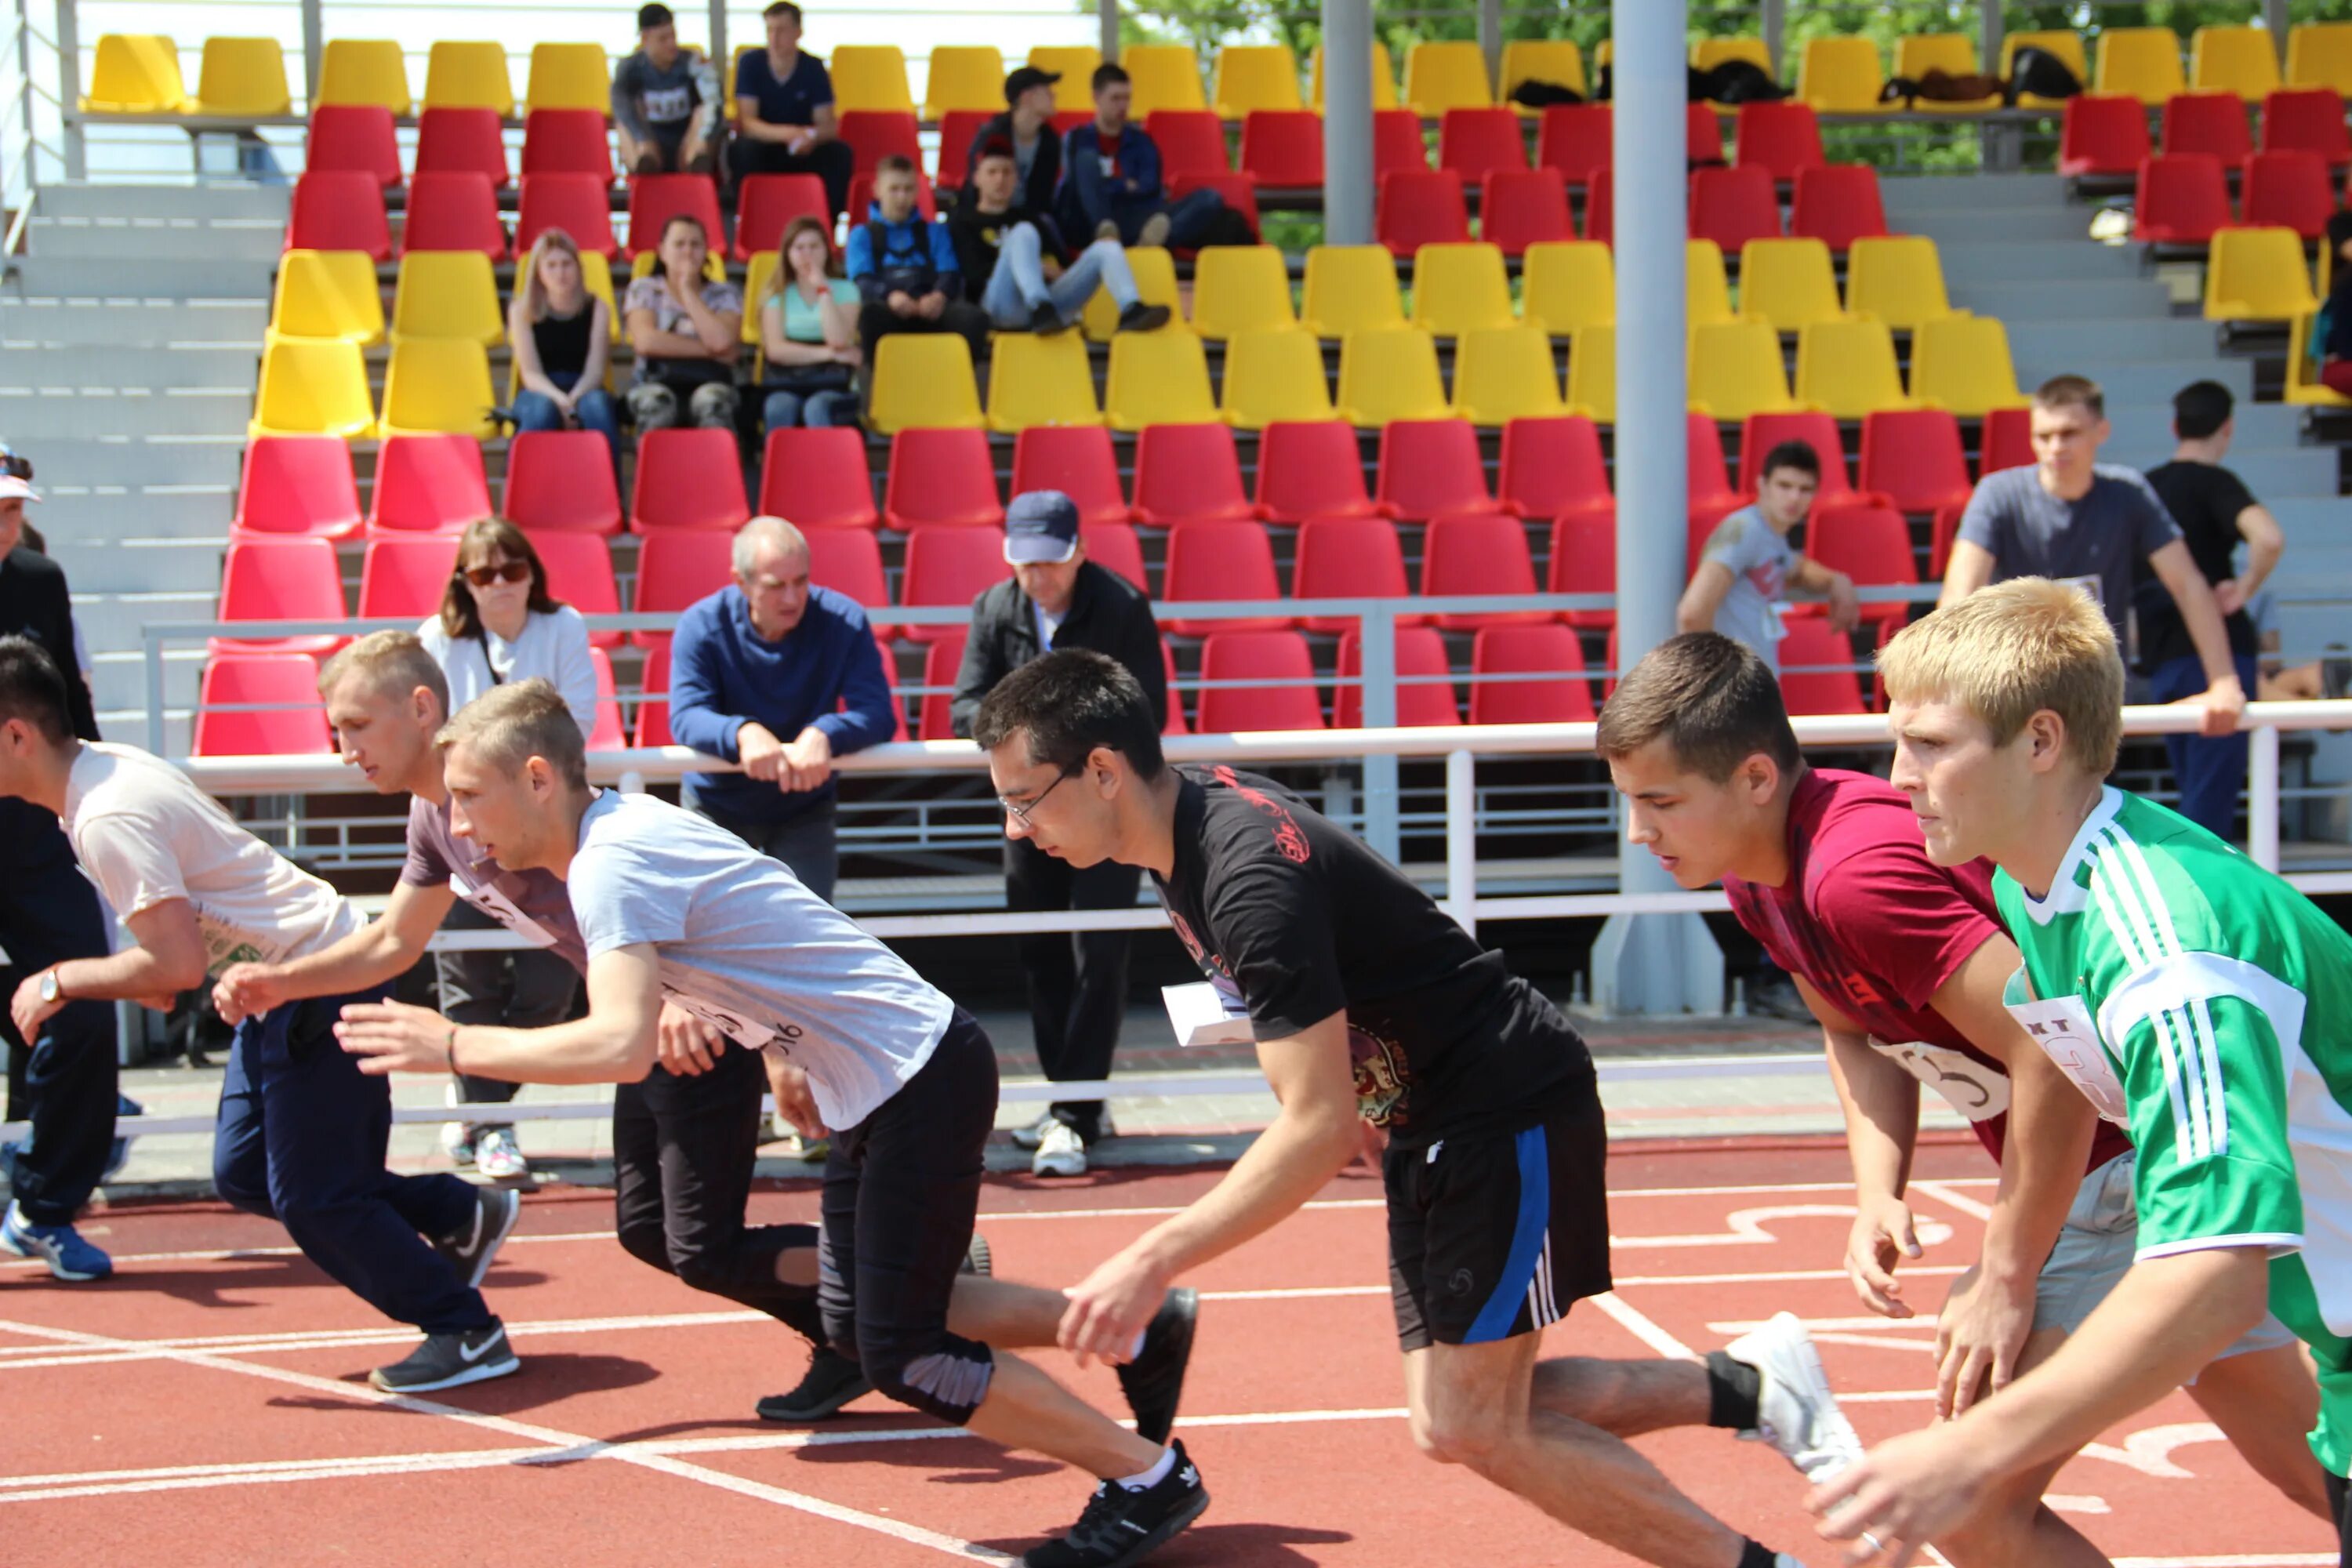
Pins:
x: 2038, y: 71
x: 1534, y: 94
x: 916, y: 276
x: 1735, y: 81
x: 1940, y: 85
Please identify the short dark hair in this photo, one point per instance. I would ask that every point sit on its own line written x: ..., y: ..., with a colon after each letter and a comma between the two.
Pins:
x: 1797, y: 455
x: 655, y: 15
x: 2071, y: 392
x: 690, y: 221
x: 1709, y: 699
x: 32, y: 688
x: 995, y: 147
x: 894, y: 164
x: 782, y: 8
x: 1105, y: 75
x: 1068, y: 703
x: 2200, y: 408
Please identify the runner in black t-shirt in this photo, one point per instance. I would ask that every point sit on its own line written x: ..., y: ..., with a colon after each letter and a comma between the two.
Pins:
x: 1364, y: 998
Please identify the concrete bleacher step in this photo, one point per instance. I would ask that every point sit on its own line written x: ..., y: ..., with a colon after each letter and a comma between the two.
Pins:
x: 2062, y: 299
x: 2183, y: 338
x: 108, y: 277
x: 131, y: 516
x: 119, y: 683
x: 2008, y: 225
x: 38, y: 414
x: 1988, y: 260
x: 52, y: 322
x: 227, y: 199
x: 154, y: 366
x: 1936, y: 193
x: 200, y: 239
x: 135, y: 565
x: 98, y: 461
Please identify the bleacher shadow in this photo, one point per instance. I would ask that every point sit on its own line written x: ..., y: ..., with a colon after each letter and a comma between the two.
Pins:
x: 212, y: 1287
x: 1227, y: 1545
x: 545, y: 1379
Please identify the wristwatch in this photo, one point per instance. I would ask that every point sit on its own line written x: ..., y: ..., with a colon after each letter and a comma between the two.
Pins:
x: 52, y: 989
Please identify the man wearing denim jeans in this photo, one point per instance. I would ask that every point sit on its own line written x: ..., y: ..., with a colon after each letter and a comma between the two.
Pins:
x: 1016, y: 268
x: 1111, y: 186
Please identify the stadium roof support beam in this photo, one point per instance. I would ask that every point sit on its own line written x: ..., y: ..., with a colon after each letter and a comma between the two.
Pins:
x: 1108, y: 10
x: 1348, y: 121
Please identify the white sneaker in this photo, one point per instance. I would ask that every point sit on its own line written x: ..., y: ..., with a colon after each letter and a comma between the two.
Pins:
x: 457, y: 1143
x: 1029, y: 1137
x: 1796, y: 1412
x: 1059, y: 1153
x: 497, y: 1158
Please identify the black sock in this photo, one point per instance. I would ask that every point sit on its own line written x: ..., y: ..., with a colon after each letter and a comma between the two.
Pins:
x: 1752, y: 1555
x: 1733, y: 1388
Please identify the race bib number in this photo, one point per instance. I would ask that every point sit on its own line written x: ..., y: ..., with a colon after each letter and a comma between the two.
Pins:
x: 734, y: 1025
x: 1977, y: 1091
x: 503, y: 910
x: 2089, y: 587
x: 2061, y: 1026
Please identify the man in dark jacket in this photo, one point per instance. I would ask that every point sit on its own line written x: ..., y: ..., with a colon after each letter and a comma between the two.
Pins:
x: 1027, y: 125
x: 1016, y: 268
x: 1111, y: 186
x: 1056, y: 598
x: 905, y: 267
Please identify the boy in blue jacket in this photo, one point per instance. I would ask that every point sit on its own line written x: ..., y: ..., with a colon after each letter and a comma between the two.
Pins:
x: 1111, y: 181
x: 906, y: 270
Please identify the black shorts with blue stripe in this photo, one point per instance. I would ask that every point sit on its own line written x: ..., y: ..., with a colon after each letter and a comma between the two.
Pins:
x: 1493, y: 1235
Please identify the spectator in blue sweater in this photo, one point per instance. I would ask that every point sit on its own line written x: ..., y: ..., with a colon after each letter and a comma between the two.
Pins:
x: 1111, y: 181
x: 905, y: 268
x: 782, y: 677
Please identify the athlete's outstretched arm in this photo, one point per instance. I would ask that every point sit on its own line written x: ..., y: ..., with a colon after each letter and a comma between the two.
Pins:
x: 168, y: 958
x: 380, y: 950
x: 1314, y: 1135
x: 613, y: 1044
x: 1881, y: 1103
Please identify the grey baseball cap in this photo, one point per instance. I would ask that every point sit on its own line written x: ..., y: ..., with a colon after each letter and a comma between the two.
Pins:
x: 1040, y: 526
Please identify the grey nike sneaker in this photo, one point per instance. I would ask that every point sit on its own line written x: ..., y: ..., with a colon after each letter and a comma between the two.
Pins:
x: 1796, y: 1412
x: 450, y: 1361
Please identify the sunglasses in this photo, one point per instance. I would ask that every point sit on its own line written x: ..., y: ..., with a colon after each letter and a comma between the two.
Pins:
x: 483, y: 576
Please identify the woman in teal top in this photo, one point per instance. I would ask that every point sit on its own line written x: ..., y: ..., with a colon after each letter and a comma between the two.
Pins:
x: 808, y: 331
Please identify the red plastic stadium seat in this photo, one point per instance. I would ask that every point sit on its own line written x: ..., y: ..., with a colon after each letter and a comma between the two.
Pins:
x: 338, y: 209
x: 1523, y: 206
x: 1871, y: 544
x: 1078, y: 461
x: 1422, y: 207
x: 1702, y: 135
x: 566, y: 141
x: 1425, y: 699
x: 958, y: 132
x: 674, y: 570
x: 1914, y: 457
x: 874, y: 134
x: 1192, y: 141
x: 579, y: 573
x: 1065, y: 120
x: 1838, y: 204
x: 1218, y: 560
x: 1284, y: 147
x: 1238, y: 191
x: 298, y: 485
x: 1732, y: 206
x: 861, y: 198
x: 608, y: 734
x: 1554, y: 651
x: 687, y: 479
x: 1576, y: 139
x: 1476, y: 143
x: 579, y: 205
x: 654, y: 199
x: 2307, y: 120
x: 849, y: 562
x: 1397, y: 142
x: 1348, y: 558
x: 559, y: 482
x: 405, y: 576
x: 2213, y: 123
x: 1583, y: 560
x: 453, y: 211
x: 1781, y: 138
x: 1600, y: 206
x: 1552, y: 465
x: 1762, y: 432
x: 2102, y: 134
x: 429, y: 484
x: 653, y: 701
x: 1113, y: 547
x: 1829, y: 686
x: 281, y: 580
x: 1175, y: 725
x: 818, y: 479
x: 1310, y: 468
x: 2181, y: 200
x: 462, y: 141
x: 1187, y: 473
x: 281, y: 693
x: 941, y: 662
x: 2007, y: 442
x: 949, y: 566
x: 1478, y: 554
x: 942, y: 477
x: 1430, y: 467
x: 1259, y: 656
x: 354, y: 136
x: 766, y: 206
x: 2287, y: 190
x: 1711, y: 494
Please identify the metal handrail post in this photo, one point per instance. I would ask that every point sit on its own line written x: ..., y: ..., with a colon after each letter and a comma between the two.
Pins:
x: 1462, y: 839
x: 1377, y: 633
x: 2263, y: 798
x: 69, y: 88
x: 314, y: 48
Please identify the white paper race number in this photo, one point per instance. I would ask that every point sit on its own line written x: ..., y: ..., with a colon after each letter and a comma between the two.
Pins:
x: 2061, y: 1026
x: 1978, y: 1092
x: 734, y: 1025
x: 503, y: 910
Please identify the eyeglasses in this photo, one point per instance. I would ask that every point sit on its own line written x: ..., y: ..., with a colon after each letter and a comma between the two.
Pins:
x: 1020, y: 809
x: 483, y: 576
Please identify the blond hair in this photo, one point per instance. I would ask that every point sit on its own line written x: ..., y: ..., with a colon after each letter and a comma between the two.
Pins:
x: 529, y: 293
x: 2012, y: 650
x: 388, y: 661
x: 2071, y: 392
x: 510, y: 724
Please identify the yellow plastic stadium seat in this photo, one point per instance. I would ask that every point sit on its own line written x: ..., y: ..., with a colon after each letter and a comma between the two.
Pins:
x: 1349, y: 287
x: 1255, y: 76
x: 2142, y: 61
x: 437, y: 384
x: 1847, y: 368
x: 448, y: 294
x: 2257, y: 275
x: 459, y: 74
x: 1155, y: 284
x: 1592, y: 373
x: 1502, y: 373
x: 1841, y: 75
x: 1460, y: 288
x: 136, y: 73
x: 1075, y: 64
x: 1788, y: 282
x: 924, y: 379
x: 2064, y: 42
x: 328, y: 294
x: 1602, y: 53
x: 2319, y: 54
x: 1384, y: 78
x: 759, y: 276
x: 1158, y: 378
x: 964, y: 76
x: 1040, y: 381
x: 871, y: 76
x: 242, y: 76
x: 1388, y: 373
x: 366, y: 71
x: 1568, y: 284
x: 313, y: 386
x: 2243, y: 60
x: 597, y: 276
x: 1962, y: 364
x: 1556, y: 61
x: 2304, y: 389
x: 1274, y: 373
x: 1710, y: 53
x: 1166, y: 75
x: 569, y: 76
x: 1707, y: 291
x: 1899, y: 278
x: 1735, y: 370
x: 1443, y: 76
x: 1241, y: 288
x: 1954, y: 53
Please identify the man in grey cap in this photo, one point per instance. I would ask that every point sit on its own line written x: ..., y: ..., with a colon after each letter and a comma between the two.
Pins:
x: 1056, y: 598
x: 1027, y: 124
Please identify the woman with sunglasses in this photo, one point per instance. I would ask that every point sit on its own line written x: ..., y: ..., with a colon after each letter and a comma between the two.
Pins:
x: 499, y: 624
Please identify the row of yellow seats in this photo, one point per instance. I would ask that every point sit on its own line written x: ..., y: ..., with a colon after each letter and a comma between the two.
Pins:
x: 2263, y: 275
x: 139, y: 73
x: 1842, y: 75
x: 437, y: 294
x: 2303, y: 387
x: 318, y: 387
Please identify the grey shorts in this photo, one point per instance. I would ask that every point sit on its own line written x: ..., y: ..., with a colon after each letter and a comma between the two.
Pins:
x: 2095, y: 1248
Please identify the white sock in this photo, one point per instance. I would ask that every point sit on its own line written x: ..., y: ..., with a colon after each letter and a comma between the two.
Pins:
x: 1144, y: 1481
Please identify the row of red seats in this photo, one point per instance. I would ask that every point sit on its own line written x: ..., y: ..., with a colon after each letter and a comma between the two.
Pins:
x: 2183, y: 198
x: 2106, y: 133
x: 1836, y: 204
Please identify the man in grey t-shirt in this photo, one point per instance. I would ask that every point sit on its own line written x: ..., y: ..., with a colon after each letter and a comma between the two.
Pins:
x: 2072, y: 519
x: 665, y: 101
x: 1747, y: 564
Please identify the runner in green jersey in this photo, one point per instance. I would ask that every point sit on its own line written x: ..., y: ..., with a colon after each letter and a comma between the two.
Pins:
x: 2193, y: 996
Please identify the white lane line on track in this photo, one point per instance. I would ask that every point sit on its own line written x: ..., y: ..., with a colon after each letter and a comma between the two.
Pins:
x: 1642, y: 1327
x: 1942, y: 1193
x: 2236, y: 1560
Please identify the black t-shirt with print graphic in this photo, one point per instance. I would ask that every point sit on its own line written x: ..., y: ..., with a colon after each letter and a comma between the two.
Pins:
x: 1304, y: 919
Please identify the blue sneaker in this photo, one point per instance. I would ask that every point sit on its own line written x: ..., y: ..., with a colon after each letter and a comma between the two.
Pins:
x: 124, y: 1106
x: 58, y: 1246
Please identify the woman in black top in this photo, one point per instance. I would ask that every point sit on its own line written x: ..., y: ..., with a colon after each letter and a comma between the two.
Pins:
x: 561, y: 336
